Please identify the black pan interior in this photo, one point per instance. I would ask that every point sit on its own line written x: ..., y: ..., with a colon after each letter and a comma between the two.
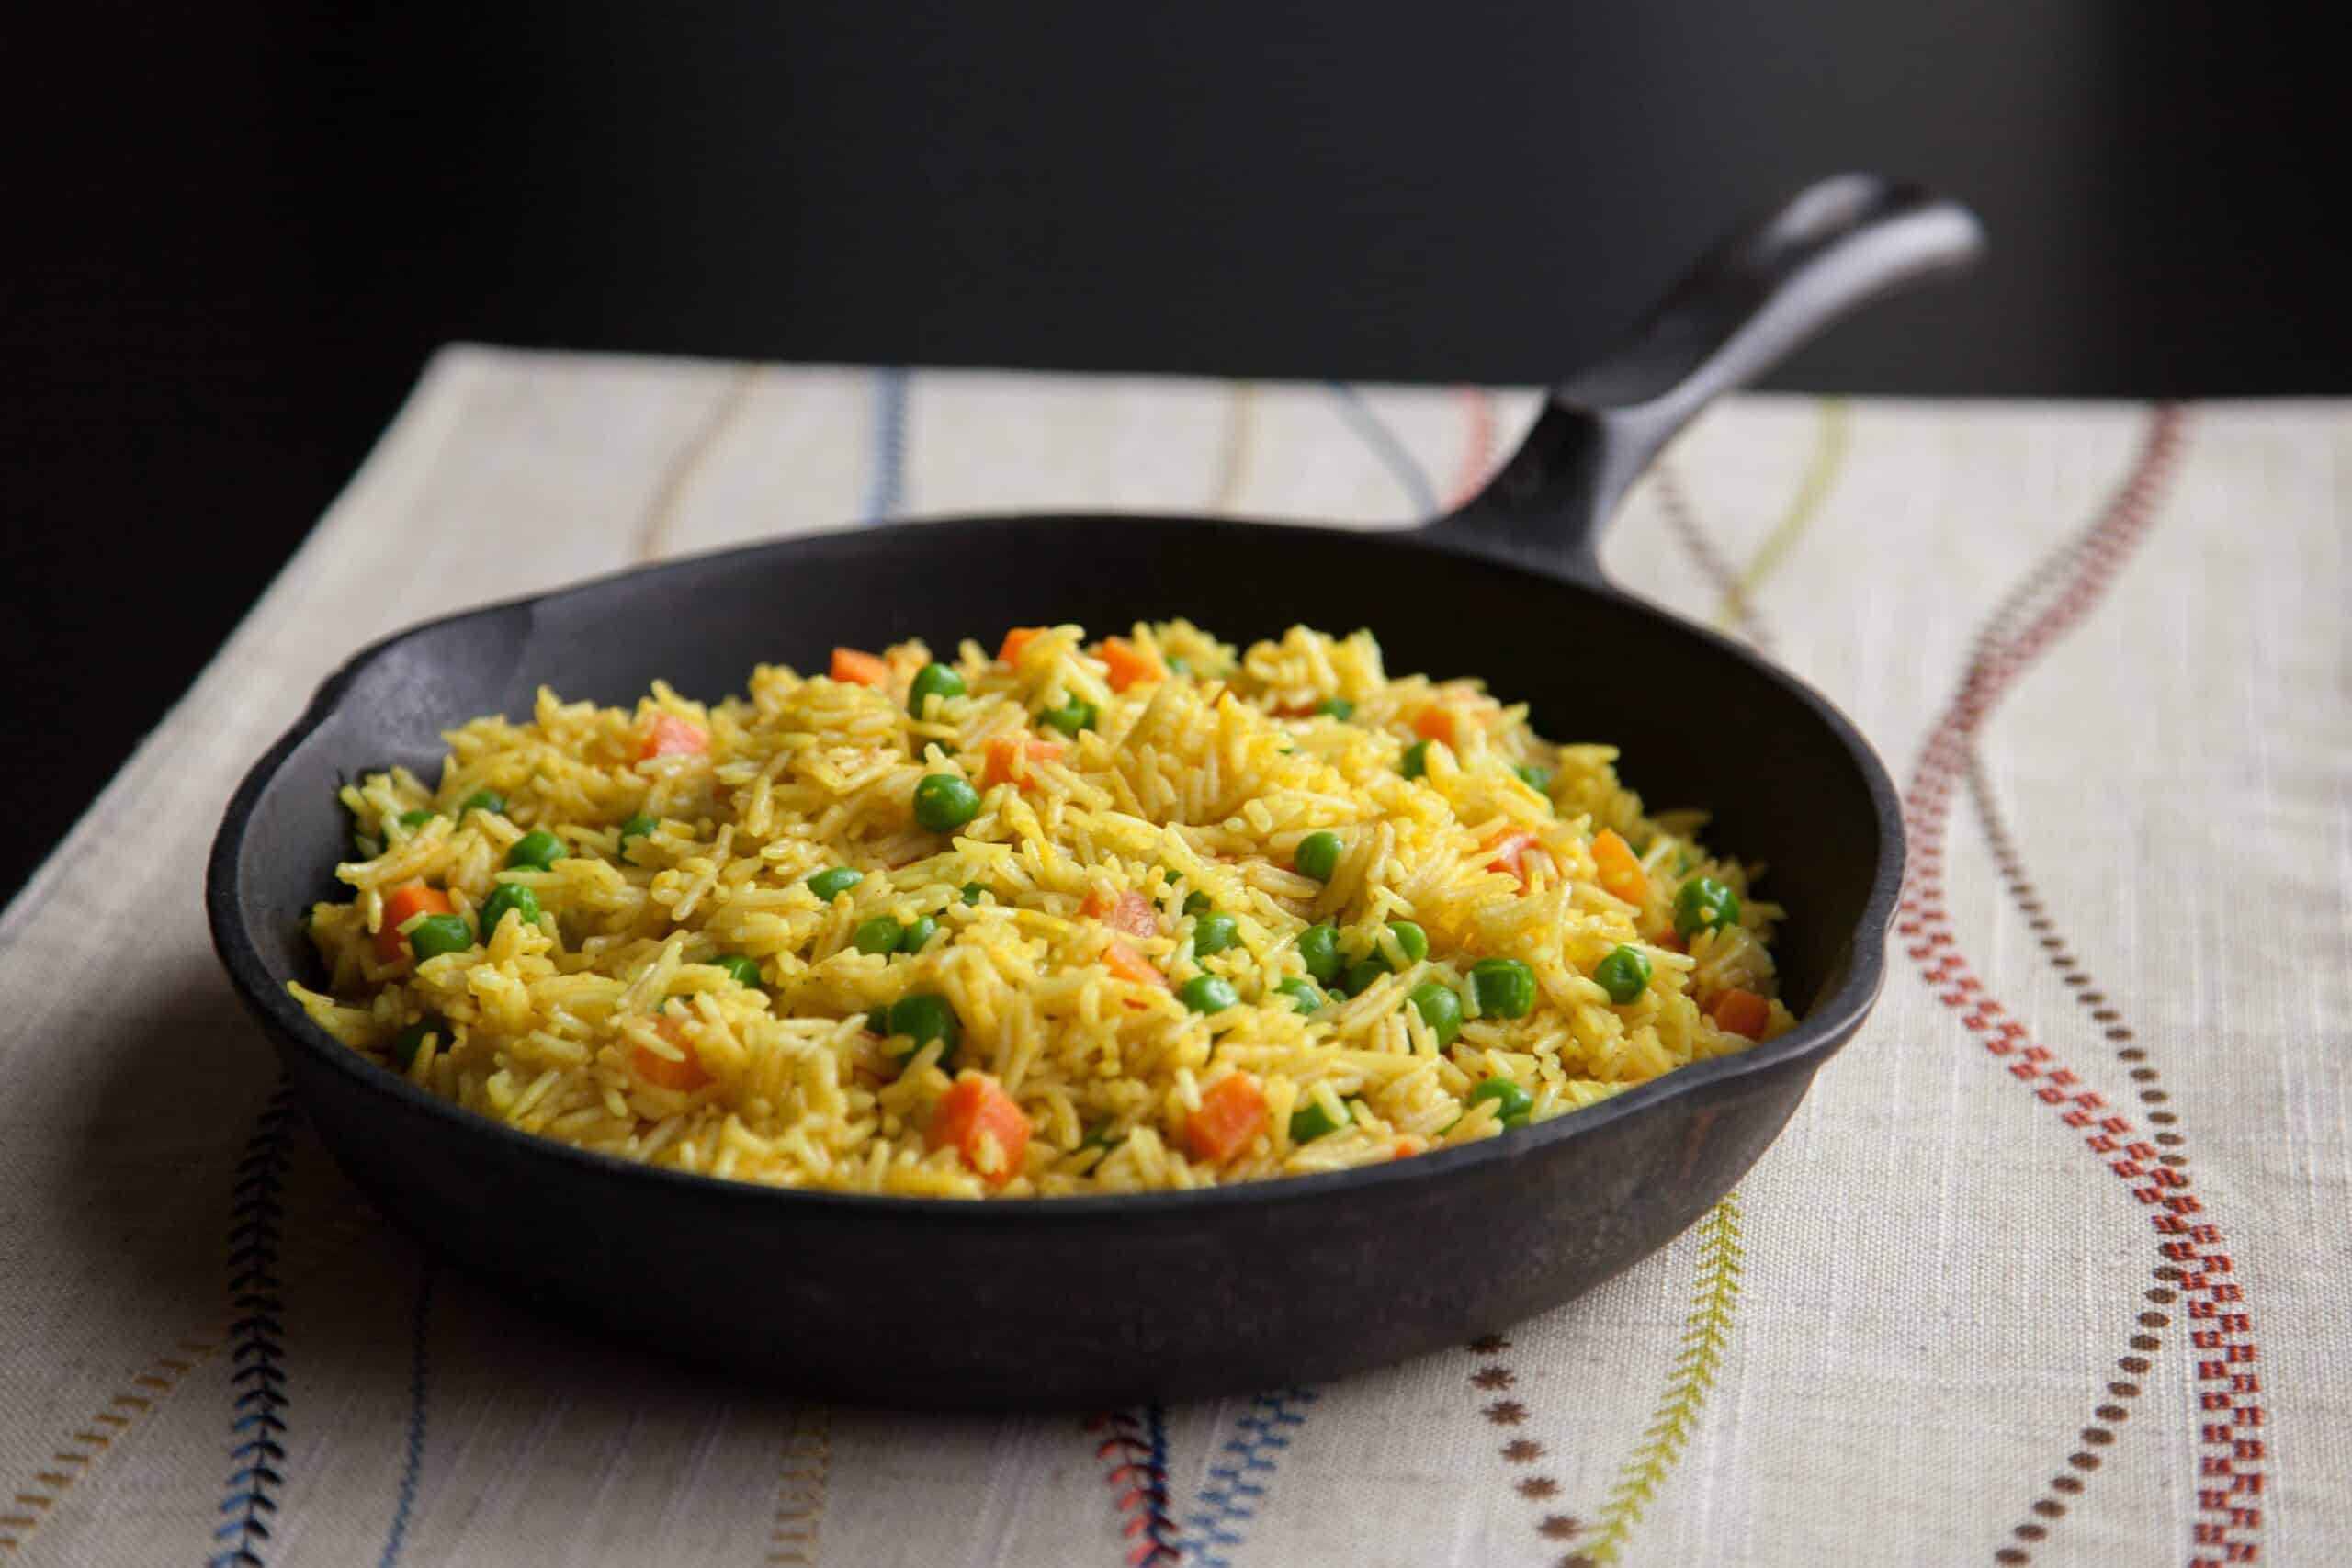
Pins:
x: 1700, y: 722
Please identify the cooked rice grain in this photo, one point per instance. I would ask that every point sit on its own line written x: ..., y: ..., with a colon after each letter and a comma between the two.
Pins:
x: 1201, y: 782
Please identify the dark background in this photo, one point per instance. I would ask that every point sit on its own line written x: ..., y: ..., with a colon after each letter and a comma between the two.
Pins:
x: 233, y: 235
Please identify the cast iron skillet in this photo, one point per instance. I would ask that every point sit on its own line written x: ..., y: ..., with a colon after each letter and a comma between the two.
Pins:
x: 1090, y: 1301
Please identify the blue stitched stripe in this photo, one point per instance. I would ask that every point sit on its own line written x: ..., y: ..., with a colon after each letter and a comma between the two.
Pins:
x: 886, y: 496
x: 1163, y: 1526
x: 257, y: 1422
x: 1228, y: 1503
x: 1394, y: 455
x: 418, y: 1391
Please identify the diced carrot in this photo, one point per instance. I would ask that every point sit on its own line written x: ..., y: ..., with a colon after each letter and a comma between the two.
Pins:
x: 860, y: 669
x: 1128, y: 664
x: 1670, y: 939
x: 1741, y: 1012
x: 984, y: 1125
x: 669, y: 1072
x: 1125, y: 963
x: 669, y: 735
x: 1435, y: 723
x: 1003, y: 762
x: 402, y: 904
x: 1620, y: 869
x: 1231, y: 1112
x: 1408, y: 1147
x: 1009, y: 758
x: 1129, y: 912
x: 1015, y: 640
x: 1509, y: 851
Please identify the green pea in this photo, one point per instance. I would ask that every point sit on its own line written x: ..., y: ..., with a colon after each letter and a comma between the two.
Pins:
x: 641, y: 825
x: 878, y: 1020
x: 1196, y: 903
x: 1505, y: 988
x: 1213, y: 935
x: 1704, y: 902
x: 1536, y: 778
x: 1317, y: 855
x: 1208, y: 993
x: 918, y: 934
x: 1180, y: 667
x: 924, y: 1018
x: 945, y: 803
x: 410, y: 1040
x: 508, y: 896
x: 1363, y: 974
x: 1416, y: 762
x: 1624, y: 975
x: 1071, y: 717
x: 1410, y: 939
x: 972, y: 891
x: 933, y: 680
x: 741, y: 968
x: 1312, y: 1121
x: 1304, y: 994
x: 834, y: 881
x: 537, y: 850
x: 1318, y: 949
x: 879, y: 935
x: 413, y: 820
x: 1337, y: 708
x: 488, y: 800
x: 1440, y: 1009
x: 1513, y: 1103
x: 437, y: 934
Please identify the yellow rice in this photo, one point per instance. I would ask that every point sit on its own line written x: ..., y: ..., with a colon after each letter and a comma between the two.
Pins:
x: 1197, y: 782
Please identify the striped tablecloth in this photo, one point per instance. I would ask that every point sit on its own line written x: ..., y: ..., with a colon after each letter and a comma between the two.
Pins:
x: 2051, y: 1267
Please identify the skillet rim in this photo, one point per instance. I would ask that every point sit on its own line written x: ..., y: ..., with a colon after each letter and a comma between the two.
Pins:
x: 1833, y: 1021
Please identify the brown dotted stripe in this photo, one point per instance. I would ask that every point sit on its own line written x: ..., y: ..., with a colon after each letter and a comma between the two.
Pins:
x: 1682, y: 521
x: 1494, y: 1377
x: 677, y: 475
x: 2055, y: 597
x: 1536, y: 1487
x: 143, y: 1391
x: 796, y: 1536
x: 2110, y: 1415
x: 1234, y: 451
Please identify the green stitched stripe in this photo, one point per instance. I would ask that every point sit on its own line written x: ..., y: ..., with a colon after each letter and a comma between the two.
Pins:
x: 1832, y: 437
x: 1693, y: 1372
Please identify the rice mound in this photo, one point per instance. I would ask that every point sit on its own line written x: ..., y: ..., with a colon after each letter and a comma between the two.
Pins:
x: 1146, y: 772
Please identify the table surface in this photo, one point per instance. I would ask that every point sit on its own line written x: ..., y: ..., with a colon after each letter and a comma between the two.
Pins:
x: 2050, y: 1265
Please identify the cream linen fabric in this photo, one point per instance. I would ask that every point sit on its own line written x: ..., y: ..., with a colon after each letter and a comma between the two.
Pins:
x: 1931, y: 1328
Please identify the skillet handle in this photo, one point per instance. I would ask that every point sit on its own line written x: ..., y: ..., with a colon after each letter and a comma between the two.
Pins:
x: 1837, y: 245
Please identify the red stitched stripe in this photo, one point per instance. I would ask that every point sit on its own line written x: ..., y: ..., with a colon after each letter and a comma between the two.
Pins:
x: 1138, y: 1489
x: 1478, y: 446
x: 2045, y: 606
